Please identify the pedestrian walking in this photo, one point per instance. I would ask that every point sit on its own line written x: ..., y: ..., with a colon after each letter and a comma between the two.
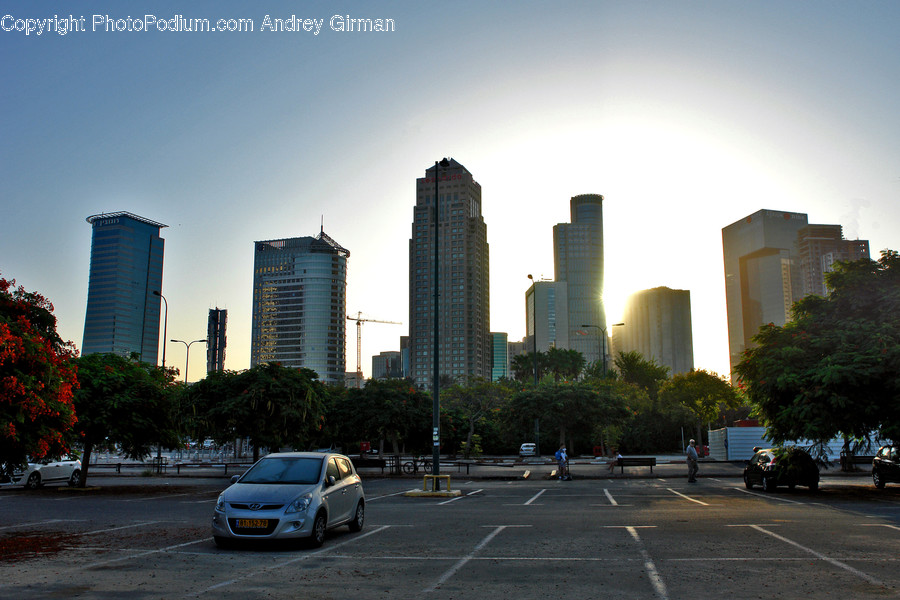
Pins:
x: 692, y: 457
x: 562, y: 463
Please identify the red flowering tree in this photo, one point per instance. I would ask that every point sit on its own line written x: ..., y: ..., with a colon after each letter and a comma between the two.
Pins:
x: 37, y: 379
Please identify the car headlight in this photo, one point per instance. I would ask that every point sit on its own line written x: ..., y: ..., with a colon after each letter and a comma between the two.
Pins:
x: 220, y: 504
x: 300, y: 504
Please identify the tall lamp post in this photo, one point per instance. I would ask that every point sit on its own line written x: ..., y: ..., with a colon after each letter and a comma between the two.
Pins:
x: 165, y: 324
x: 537, y: 422
x: 187, y: 355
x: 436, y: 384
x: 603, y: 342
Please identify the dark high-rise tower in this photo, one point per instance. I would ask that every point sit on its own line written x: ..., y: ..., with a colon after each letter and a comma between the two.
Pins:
x: 578, y: 261
x: 123, y: 312
x: 215, y: 339
x: 464, y: 295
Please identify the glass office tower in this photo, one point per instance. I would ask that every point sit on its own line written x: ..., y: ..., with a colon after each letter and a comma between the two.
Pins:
x: 123, y: 313
x: 578, y: 261
x: 300, y: 305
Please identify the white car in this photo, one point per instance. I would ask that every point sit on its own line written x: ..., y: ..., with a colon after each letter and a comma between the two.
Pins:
x: 290, y: 495
x: 46, y: 470
x: 528, y: 449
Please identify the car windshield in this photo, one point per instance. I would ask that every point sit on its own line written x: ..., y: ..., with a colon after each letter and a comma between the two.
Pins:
x: 282, y: 470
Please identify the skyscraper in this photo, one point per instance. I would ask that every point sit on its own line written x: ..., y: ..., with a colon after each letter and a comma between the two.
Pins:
x: 578, y: 261
x: 215, y: 339
x: 123, y: 312
x: 500, y: 364
x: 547, y: 316
x: 761, y: 273
x: 300, y: 305
x: 657, y: 323
x: 820, y: 246
x: 463, y: 304
x: 773, y: 259
x: 387, y: 365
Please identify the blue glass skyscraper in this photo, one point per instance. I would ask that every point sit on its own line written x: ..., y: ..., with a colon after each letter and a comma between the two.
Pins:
x: 123, y: 313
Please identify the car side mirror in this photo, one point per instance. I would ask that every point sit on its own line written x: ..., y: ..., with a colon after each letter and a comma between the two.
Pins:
x: 330, y: 481
x: 234, y: 478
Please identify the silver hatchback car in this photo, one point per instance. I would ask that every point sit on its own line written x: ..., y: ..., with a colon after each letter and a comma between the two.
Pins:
x: 290, y: 495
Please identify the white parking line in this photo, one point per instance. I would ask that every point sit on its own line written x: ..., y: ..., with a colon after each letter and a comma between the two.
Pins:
x: 611, y: 499
x: 142, y: 554
x: 535, y: 497
x: 47, y: 522
x: 461, y: 562
x: 880, y: 525
x: 142, y: 524
x: 386, y: 496
x: 288, y: 562
x: 769, y: 496
x: 158, y: 497
x: 658, y: 586
x: 821, y: 556
x: 687, y: 497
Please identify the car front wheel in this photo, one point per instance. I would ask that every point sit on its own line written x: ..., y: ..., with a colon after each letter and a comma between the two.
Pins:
x: 34, y: 481
x: 747, y: 483
x: 359, y: 517
x: 318, y: 530
x: 877, y: 480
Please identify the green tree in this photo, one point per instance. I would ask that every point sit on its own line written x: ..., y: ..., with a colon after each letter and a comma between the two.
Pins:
x: 574, y: 409
x: 394, y: 410
x: 126, y: 402
x: 273, y: 406
x: 37, y: 379
x: 202, y: 414
x: 646, y: 374
x: 523, y: 366
x: 564, y: 364
x: 475, y: 401
x: 832, y: 370
x: 702, y: 393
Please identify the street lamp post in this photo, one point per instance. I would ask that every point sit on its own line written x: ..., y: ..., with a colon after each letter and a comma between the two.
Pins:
x: 537, y: 422
x: 436, y: 384
x: 165, y: 325
x: 603, y: 342
x: 187, y: 355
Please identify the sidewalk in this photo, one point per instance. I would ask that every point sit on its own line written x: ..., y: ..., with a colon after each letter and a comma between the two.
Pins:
x: 587, y: 468
x: 510, y: 469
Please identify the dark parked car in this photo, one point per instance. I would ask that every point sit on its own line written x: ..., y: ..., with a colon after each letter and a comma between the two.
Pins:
x: 886, y: 466
x: 773, y: 467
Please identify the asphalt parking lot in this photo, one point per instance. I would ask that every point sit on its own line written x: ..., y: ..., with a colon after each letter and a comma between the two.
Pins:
x: 627, y: 537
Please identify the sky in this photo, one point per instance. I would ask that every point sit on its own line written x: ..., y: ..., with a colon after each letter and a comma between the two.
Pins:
x: 685, y: 115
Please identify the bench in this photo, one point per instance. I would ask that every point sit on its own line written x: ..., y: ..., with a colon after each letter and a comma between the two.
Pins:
x: 370, y: 463
x: 636, y: 461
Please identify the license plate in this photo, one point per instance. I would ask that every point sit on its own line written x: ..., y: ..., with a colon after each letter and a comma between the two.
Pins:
x: 253, y: 523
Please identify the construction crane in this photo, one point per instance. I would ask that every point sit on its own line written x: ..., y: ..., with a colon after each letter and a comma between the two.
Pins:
x: 359, y: 321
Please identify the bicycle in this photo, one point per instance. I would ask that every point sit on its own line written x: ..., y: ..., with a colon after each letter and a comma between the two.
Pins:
x: 412, y: 466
